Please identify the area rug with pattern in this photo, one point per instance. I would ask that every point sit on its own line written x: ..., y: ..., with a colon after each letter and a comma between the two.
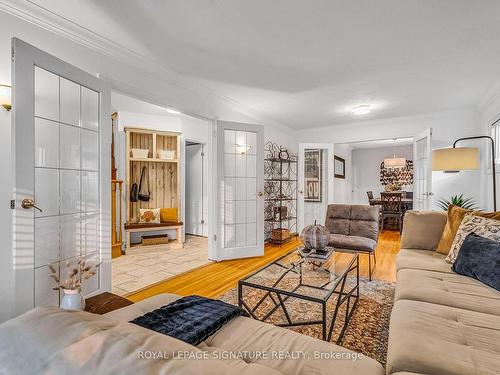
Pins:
x: 367, y: 331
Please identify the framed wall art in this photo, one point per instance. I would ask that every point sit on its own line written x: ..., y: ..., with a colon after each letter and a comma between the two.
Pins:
x: 339, y: 167
x: 312, y: 175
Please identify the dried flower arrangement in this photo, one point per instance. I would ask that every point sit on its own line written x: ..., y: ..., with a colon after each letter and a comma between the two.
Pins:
x: 75, y: 275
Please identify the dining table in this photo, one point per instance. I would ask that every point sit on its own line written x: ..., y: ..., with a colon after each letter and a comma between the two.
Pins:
x: 407, y: 203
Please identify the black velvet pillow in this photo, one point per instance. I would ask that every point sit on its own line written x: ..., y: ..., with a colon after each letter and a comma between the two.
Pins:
x: 479, y: 258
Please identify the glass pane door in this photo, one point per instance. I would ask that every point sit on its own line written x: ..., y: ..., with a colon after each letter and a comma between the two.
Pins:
x: 422, y: 171
x: 66, y: 141
x: 241, y: 179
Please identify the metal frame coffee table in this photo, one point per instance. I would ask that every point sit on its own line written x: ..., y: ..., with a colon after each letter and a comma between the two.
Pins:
x: 271, y: 277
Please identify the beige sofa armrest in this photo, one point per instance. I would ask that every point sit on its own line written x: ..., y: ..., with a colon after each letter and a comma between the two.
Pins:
x: 422, y: 229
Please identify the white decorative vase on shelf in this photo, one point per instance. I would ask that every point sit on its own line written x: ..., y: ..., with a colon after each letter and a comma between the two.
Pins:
x: 72, y: 300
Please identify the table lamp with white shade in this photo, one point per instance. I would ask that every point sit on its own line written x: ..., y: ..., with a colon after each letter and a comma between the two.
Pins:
x: 457, y: 159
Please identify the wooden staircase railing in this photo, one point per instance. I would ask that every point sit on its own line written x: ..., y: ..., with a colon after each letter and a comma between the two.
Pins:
x: 116, y: 218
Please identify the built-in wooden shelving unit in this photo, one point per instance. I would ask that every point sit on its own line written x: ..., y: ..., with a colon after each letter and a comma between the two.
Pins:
x: 162, y: 176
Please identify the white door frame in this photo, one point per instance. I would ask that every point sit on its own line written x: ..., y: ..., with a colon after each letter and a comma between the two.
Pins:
x: 300, y: 183
x: 423, y: 198
x: 25, y: 57
x: 221, y: 253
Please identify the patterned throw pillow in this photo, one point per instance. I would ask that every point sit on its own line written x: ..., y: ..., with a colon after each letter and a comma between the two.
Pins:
x: 484, y: 227
x: 149, y: 215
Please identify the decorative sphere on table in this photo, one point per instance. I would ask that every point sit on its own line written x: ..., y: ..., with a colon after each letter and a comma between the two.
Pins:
x: 315, y: 237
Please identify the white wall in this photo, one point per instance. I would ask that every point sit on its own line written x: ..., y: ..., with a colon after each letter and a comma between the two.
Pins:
x: 446, y: 126
x: 342, y: 188
x: 366, y: 170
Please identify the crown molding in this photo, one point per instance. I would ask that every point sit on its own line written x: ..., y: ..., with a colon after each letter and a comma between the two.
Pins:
x: 50, y: 21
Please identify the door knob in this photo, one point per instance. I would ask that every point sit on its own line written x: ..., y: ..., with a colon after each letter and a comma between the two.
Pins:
x: 260, y: 193
x: 29, y: 203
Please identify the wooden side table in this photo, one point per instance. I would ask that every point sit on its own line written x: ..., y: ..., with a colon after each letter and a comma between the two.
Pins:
x: 105, y: 302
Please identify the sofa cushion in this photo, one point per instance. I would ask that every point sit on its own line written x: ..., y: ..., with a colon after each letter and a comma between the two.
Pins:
x: 245, y: 334
x: 447, y: 289
x: 341, y: 242
x: 440, y: 340
x: 48, y: 340
x: 479, y: 258
x: 422, y: 260
x: 422, y: 229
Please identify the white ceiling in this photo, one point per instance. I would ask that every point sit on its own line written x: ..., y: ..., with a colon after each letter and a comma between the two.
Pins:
x: 307, y: 63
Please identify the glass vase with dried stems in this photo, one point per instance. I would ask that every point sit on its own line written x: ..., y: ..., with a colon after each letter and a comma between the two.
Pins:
x: 70, y: 281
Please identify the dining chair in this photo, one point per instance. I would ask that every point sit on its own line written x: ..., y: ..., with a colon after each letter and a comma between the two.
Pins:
x: 370, y: 196
x: 392, y: 208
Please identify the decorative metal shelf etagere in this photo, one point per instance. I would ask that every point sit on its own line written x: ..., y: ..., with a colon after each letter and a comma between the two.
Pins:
x: 280, y: 190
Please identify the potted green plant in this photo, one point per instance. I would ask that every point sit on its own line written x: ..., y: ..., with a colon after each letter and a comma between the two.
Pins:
x: 457, y: 200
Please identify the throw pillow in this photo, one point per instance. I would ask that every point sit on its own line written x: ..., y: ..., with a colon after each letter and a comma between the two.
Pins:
x: 168, y: 214
x: 479, y: 258
x: 488, y: 228
x: 455, y: 216
x: 149, y: 215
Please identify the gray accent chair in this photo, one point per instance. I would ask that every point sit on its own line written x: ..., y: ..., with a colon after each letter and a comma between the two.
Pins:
x: 354, y: 228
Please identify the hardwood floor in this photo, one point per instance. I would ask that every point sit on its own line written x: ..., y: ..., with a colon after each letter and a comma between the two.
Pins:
x: 214, y: 279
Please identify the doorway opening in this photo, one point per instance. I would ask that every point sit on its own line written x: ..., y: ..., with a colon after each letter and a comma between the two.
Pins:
x: 196, y: 206
x: 165, y: 227
x: 374, y: 168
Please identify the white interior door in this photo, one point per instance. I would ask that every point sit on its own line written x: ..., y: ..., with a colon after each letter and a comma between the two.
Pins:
x: 422, y: 171
x: 61, y: 161
x: 194, y: 222
x: 240, y: 186
x: 315, y: 182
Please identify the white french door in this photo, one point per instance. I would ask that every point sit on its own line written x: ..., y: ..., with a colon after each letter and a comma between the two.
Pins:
x: 240, y: 186
x: 61, y: 162
x: 422, y: 171
x: 315, y: 183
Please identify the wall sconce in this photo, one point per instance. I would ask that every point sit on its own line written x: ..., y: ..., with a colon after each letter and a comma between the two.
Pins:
x: 5, y: 97
x: 242, y: 149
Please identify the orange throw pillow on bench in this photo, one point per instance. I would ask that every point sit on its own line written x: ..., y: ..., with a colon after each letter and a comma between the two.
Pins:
x: 168, y: 214
x: 455, y: 216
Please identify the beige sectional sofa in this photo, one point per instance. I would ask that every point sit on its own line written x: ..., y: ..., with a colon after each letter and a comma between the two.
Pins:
x: 51, y: 341
x: 442, y: 323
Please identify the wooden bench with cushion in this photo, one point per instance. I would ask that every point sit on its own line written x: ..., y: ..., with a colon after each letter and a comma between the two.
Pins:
x: 151, y: 227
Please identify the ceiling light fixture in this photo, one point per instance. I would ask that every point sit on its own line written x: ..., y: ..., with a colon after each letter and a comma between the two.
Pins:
x: 5, y: 97
x: 362, y: 110
x: 173, y: 111
x: 395, y: 162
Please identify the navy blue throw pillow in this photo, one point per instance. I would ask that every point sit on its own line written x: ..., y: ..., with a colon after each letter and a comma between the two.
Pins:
x: 479, y: 258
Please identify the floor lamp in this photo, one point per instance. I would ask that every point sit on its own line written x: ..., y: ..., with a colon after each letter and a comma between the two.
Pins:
x: 463, y: 158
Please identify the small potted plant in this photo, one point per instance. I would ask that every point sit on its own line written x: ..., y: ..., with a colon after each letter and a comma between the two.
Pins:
x: 71, y: 285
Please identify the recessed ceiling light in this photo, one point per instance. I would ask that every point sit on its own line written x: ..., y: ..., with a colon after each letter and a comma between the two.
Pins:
x: 173, y: 111
x: 362, y: 109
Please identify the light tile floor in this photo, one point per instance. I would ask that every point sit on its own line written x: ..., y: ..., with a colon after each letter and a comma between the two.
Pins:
x: 133, y: 272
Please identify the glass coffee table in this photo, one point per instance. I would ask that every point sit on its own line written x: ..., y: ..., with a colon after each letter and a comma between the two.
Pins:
x: 293, y: 282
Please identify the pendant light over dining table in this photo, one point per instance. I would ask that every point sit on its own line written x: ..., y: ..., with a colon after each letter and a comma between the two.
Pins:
x: 395, y: 162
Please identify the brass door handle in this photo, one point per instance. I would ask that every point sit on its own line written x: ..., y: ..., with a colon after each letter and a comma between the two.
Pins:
x: 260, y: 193
x: 29, y: 203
